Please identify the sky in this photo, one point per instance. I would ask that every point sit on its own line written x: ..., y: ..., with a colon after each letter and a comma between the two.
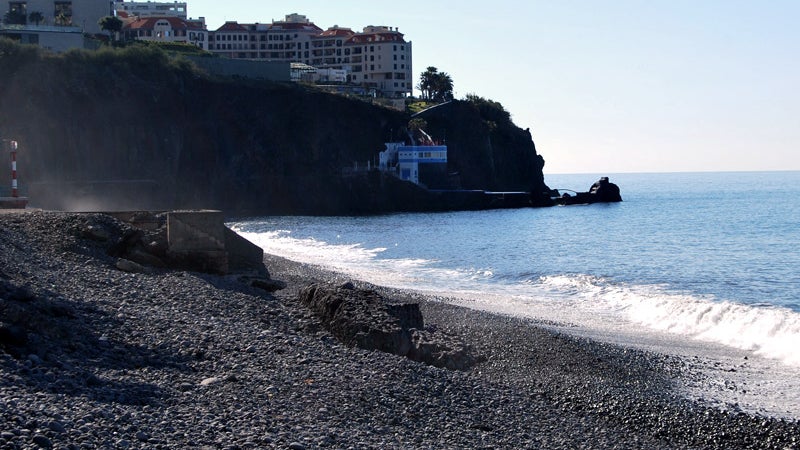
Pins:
x: 604, y: 86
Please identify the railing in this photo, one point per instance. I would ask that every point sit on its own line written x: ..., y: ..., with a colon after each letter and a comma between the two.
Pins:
x: 40, y: 28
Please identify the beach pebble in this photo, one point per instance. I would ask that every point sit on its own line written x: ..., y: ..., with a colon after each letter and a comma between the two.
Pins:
x: 179, y: 360
x: 56, y: 427
x: 210, y: 380
x: 42, y: 441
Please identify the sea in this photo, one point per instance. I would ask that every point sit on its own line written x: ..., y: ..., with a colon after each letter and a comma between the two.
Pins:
x: 694, y: 263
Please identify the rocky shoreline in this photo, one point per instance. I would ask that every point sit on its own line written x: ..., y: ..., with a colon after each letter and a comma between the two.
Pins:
x: 95, y: 357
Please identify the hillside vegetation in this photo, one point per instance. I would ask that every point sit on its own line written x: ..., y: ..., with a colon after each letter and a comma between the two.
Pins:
x: 139, y: 128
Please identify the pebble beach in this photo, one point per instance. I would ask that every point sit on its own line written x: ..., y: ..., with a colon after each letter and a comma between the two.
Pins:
x: 95, y: 357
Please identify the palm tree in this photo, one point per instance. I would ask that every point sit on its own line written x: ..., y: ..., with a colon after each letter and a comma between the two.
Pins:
x: 36, y: 17
x: 427, y: 81
x: 436, y: 86
x: 444, y: 88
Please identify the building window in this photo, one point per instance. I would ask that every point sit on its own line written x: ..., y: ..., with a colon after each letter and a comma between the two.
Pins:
x: 17, y: 13
x: 63, y: 13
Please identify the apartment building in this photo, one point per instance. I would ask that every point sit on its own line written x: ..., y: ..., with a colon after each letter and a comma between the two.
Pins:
x: 378, y: 58
x: 286, y: 40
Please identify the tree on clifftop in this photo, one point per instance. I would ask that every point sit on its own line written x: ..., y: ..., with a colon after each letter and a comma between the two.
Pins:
x: 435, y: 86
x: 112, y: 24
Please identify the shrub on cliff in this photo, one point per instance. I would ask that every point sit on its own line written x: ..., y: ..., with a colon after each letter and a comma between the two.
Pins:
x: 490, y: 110
x: 13, y: 54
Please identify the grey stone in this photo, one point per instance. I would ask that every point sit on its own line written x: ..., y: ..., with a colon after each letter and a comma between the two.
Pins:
x: 127, y: 265
x: 267, y: 284
x: 56, y: 427
x: 42, y: 441
x: 210, y: 380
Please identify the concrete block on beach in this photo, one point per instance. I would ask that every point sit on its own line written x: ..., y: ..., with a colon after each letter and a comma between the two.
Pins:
x: 196, y: 239
x: 192, y: 231
x: 192, y: 240
x: 200, y: 238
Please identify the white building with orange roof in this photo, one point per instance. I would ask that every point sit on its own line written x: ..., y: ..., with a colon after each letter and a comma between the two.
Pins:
x: 380, y: 58
x: 327, y: 48
x: 231, y: 40
x: 290, y: 39
x: 167, y: 29
x: 286, y: 40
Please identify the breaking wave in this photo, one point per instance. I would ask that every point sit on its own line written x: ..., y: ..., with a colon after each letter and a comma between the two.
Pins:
x: 591, y: 301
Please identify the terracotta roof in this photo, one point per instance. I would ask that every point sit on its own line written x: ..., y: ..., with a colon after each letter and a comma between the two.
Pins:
x: 232, y: 26
x: 295, y: 26
x: 362, y: 38
x: 176, y: 23
x: 337, y: 32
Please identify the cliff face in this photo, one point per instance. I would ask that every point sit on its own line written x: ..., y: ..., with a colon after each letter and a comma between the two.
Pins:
x: 485, y: 148
x: 138, y: 130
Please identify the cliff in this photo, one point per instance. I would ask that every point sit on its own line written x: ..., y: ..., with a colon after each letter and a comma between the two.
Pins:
x: 138, y: 129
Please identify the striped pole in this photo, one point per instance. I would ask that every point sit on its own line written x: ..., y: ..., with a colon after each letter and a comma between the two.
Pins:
x: 13, y: 147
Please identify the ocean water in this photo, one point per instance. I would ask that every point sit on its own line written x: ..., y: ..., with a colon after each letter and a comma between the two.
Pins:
x: 702, y: 257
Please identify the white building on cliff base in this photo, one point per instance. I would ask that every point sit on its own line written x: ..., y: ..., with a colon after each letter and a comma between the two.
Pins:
x: 424, y: 165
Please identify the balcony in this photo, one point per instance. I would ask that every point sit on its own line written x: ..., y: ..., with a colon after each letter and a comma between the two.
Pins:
x: 40, y: 28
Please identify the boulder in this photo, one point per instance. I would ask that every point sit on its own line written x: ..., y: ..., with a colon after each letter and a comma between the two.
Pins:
x: 605, y: 191
x: 365, y: 319
x: 127, y: 265
x: 263, y: 283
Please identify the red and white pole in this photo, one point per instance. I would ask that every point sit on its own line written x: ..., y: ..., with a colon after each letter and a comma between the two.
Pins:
x: 14, y: 189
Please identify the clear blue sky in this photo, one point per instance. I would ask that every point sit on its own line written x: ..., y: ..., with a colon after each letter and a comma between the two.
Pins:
x: 605, y: 86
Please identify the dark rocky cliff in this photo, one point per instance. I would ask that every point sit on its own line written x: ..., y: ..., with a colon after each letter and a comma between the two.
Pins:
x: 140, y: 130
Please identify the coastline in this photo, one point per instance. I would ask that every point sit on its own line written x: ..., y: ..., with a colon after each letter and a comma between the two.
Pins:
x: 179, y: 359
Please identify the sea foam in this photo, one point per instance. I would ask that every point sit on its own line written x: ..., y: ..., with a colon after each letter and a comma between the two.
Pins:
x: 769, y: 331
x: 591, y: 301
